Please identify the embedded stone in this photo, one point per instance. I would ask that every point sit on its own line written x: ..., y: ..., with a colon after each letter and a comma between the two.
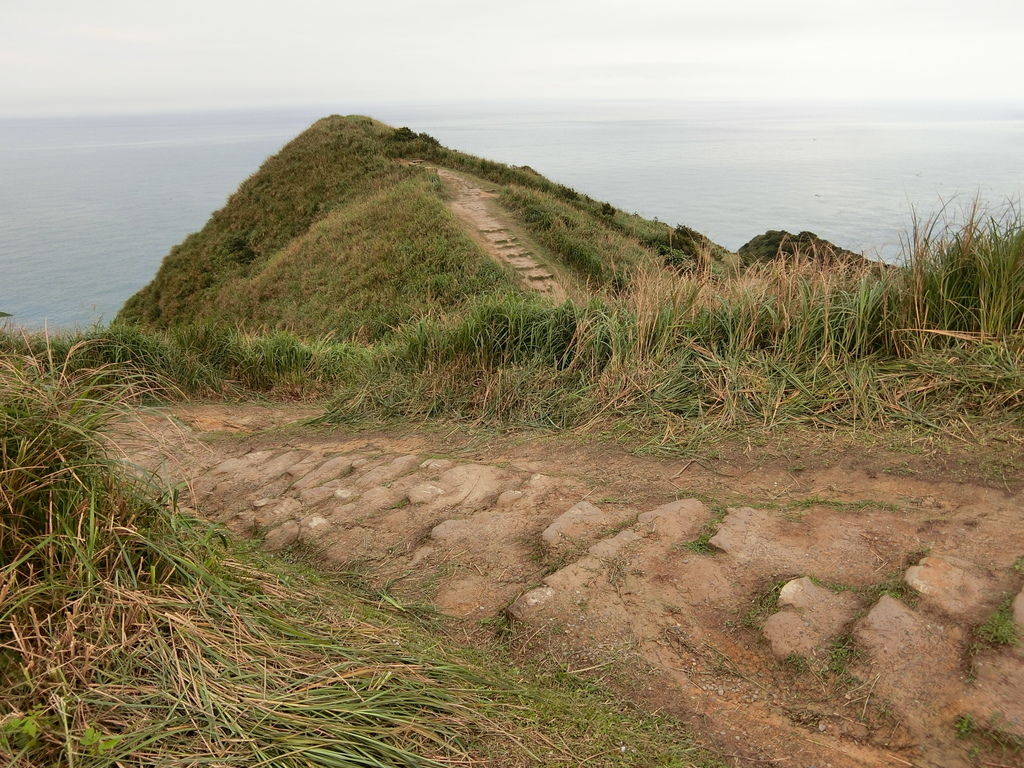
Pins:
x: 437, y: 465
x: 449, y: 529
x: 276, y: 511
x: 811, y: 616
x: 282, y: 536
x: 947, y: 586
x: 508, y: 498
x: 531, y: 602
x: 677, y: 520
x: 424, y: 493
x: 575, y: 525
x: 739, y: 532
x: 995, y: 696
x: 387, y: 472
x: 314, y: 525
x: 889, y: 628
x: 606, y: 549
x: 330, y: 470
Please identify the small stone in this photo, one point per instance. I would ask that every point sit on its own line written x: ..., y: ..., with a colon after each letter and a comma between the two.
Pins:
x: 531, y: 602
x: 1018, y: 608
x: 263, y: 502
x: 282, y: 536
x: 344, y: 494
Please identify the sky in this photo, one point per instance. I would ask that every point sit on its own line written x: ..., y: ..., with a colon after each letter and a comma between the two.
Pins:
x: 111, y: 56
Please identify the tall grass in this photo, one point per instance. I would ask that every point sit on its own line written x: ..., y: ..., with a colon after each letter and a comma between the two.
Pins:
x: 129, y: 637
x: 969, y: 279
x: 790, y: 341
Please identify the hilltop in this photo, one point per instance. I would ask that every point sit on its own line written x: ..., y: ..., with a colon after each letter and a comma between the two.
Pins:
x: 355, y: 227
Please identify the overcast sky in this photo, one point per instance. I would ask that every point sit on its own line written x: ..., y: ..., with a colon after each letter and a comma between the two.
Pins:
x: 74, y: 56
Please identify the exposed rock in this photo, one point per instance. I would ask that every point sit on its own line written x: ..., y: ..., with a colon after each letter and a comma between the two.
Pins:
x: 344, y: 494
x: 473, y: 485
x: 508, y: 498
x: 275, y: 511
x: 313, y: 496
x: 448, y: 529
x: 424, y: 493
x: 388, y: 472
x: 779, y: 244
x: 531, y: 602
x: 609, y: 548
x: 333, y: 468
x: 947, y: 586
x: 284, y: 535
x: 677, y: 521
x: 301, y: 469
x: 889, y: 628
x: 811, y: 616
x: 738, y: 530
x: 233, y: 465
x: 574, y: 526
x: 437, y: 465
x: 1018, y: 609
x: 277, y: 466
x: 997, y: 697
x: 313, y: 526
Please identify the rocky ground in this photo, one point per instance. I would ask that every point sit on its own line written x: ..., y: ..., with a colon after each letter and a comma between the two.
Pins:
x: 818, y: 608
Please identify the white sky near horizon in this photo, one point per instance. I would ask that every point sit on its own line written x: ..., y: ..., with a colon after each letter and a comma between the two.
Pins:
x: 104, y: 56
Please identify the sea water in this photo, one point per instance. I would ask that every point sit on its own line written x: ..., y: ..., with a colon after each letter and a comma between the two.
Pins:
x: 90, y: 205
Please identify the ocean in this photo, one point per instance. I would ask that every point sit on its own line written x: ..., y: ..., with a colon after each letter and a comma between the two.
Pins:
x: 90, y: 205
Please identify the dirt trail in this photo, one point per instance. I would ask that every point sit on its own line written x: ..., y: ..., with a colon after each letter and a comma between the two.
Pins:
x: 605, y: 562
x: 476, y: 209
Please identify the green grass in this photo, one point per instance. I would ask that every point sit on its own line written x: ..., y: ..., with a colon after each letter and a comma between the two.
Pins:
x: 378, y: 299
x: 335, y: 234
x: 999, y: 628
x: 132, y: 635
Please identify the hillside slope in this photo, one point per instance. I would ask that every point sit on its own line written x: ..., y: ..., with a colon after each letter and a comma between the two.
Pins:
x: 342, y: 233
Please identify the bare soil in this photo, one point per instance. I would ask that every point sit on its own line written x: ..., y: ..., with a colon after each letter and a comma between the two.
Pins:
x: 762, y: 598
x: 485, y: 221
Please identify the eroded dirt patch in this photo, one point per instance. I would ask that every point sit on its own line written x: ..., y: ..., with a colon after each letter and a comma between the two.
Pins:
x: 479, y: 213
x: 824, y: 617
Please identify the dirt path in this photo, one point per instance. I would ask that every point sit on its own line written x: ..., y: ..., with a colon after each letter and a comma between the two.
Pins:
x: 801, y: 633
x: 476, y: 209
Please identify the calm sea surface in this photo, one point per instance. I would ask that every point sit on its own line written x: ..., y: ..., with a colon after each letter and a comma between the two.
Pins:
x: 89, y: 206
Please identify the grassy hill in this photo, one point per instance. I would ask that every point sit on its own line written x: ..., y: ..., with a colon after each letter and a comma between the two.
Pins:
x: 336, y: 234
